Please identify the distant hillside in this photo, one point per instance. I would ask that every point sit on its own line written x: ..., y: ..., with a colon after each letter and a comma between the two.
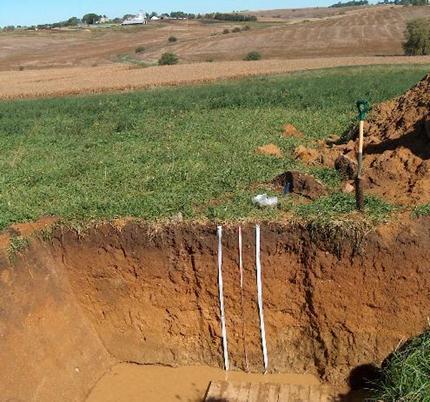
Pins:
x: 278, y: 34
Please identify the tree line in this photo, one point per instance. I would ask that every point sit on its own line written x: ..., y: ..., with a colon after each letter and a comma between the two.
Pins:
x: 93, y: 18
x: 355, y: 3
x: 406, y: 2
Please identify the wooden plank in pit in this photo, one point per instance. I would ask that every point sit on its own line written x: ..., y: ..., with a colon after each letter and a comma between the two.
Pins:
x: 229, y: 391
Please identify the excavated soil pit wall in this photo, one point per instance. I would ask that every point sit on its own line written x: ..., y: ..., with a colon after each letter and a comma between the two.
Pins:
x: 73, y: 305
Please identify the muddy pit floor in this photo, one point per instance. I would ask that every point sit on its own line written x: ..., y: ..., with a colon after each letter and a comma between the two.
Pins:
x: 135, y: 383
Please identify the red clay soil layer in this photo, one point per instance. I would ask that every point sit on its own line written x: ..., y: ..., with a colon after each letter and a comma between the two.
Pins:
x: 397, y: 151
x: 73, y: 305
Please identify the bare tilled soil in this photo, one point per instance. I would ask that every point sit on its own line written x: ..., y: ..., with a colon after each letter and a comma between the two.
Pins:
x: 58, y: 82
x: 62, y: 62
x: 294, y: 34
x: 74, y: 303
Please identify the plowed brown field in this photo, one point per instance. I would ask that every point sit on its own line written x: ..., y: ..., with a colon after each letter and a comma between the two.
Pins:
x: 62, y: 62
x: 291, y: 34
x: 77, y: 80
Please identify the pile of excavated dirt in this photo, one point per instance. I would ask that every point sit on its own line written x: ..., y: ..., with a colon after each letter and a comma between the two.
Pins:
x: 397, y: 148
x: 396, y: 153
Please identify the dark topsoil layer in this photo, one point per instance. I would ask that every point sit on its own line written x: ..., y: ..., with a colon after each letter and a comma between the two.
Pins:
x: 73, y: 304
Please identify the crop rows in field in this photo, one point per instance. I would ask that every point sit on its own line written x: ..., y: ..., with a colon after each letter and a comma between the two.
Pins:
x: 78, y: 80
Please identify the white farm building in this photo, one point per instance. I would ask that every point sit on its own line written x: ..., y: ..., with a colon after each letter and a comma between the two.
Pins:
x: 139, y: 19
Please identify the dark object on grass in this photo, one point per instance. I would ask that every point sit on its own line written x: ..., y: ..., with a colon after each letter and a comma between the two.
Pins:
x: 252, y: 56
x: 346, y: 167
x: 140, y: 49
x: 173, y: 39
x: 168, y: 59
x: 301, y: 184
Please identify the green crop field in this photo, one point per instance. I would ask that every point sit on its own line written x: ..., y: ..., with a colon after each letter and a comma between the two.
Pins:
x: 189, y: 150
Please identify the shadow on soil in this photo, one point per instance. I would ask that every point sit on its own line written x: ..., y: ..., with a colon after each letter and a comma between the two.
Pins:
x: 360, y: 381
x: 416, y: 142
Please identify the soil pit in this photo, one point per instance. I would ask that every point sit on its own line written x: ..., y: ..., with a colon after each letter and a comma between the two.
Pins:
x: 75, y: 304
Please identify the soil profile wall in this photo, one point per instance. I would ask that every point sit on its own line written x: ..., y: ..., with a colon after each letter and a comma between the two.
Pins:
x: 149, y: 296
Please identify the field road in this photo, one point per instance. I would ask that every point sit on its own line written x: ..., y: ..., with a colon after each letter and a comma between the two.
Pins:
x: 120, y: 77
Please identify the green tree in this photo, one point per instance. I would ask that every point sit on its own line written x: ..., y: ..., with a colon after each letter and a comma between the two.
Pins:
x: 168, y: 59
x: 417, y: 38
x: 91, y: 18
x: 252, y: 56
x: 73, y: 21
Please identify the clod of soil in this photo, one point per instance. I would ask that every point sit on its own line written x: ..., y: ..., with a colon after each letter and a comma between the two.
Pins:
x: 270, y: 150
x: 348, y: 188
x: 346, y: 167
x: 309, y: 156
x: 301, y: 184
x: 291, y: 131
x: 397, y: 148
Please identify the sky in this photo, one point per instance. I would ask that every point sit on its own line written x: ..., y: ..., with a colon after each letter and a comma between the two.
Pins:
x: 33, y: 12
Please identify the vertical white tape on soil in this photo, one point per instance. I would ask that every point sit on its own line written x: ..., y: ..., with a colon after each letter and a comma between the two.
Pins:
x: 260, y: 297
x: 221, y: 300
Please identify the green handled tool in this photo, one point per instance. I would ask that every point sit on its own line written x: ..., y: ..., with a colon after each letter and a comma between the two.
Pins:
x: 363, y: 109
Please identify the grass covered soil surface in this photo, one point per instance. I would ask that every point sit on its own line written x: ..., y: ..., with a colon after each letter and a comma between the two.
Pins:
x: 188, y: 150
x: 405, y: 375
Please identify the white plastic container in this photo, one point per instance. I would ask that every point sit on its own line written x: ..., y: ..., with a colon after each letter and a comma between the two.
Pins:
x: 264, y: 201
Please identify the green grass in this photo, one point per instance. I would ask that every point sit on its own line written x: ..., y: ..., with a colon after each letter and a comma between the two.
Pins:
x: 130, y: 59
x: 339, y: 204
x: 17, y: 244
x: 406, y: 374
x: 422, y: 210
x: 156, y: 153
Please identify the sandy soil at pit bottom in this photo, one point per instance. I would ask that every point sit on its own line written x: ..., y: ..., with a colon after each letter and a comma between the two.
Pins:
x: 133, y: 383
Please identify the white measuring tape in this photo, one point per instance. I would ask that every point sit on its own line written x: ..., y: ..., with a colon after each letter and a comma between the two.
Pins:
x: 260, y: 297
x: 221, y: 300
